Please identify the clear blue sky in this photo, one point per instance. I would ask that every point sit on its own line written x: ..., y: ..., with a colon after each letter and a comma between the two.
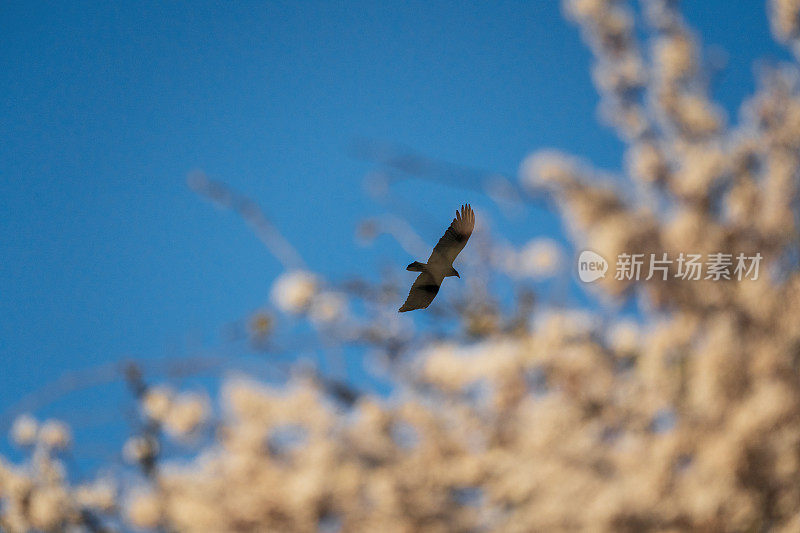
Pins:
x: 106, y: 106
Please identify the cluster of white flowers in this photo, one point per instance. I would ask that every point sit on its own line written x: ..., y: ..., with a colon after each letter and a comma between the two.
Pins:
x: 53, y: 434
x: 538, y: 259
x: 328, y: 307
x: 293, y: 291
x: 180, y: 414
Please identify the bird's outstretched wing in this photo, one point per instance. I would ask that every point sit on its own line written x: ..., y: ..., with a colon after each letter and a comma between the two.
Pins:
x: 423, y: 291
x: 454, y: 239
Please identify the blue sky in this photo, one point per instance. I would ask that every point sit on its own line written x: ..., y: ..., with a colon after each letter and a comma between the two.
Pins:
x: 104, y: 251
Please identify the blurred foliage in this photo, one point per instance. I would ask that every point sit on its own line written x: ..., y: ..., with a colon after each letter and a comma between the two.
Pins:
x: 510, y: 416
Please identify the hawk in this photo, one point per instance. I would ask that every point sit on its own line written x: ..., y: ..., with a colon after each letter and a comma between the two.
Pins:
x: 440, y: 263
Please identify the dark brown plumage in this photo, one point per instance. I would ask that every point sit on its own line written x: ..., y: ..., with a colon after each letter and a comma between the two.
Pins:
x: 440, y: 263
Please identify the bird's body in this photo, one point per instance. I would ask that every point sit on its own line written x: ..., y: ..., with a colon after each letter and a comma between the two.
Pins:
x: 440, y: 263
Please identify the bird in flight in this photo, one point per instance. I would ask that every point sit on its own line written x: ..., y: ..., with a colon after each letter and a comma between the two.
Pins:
x: 440, y: 263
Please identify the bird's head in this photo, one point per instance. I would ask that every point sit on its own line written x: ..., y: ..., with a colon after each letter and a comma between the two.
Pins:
x: 453, y: 272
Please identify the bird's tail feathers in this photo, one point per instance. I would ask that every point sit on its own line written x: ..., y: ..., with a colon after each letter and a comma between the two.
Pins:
x: 416, y: 266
